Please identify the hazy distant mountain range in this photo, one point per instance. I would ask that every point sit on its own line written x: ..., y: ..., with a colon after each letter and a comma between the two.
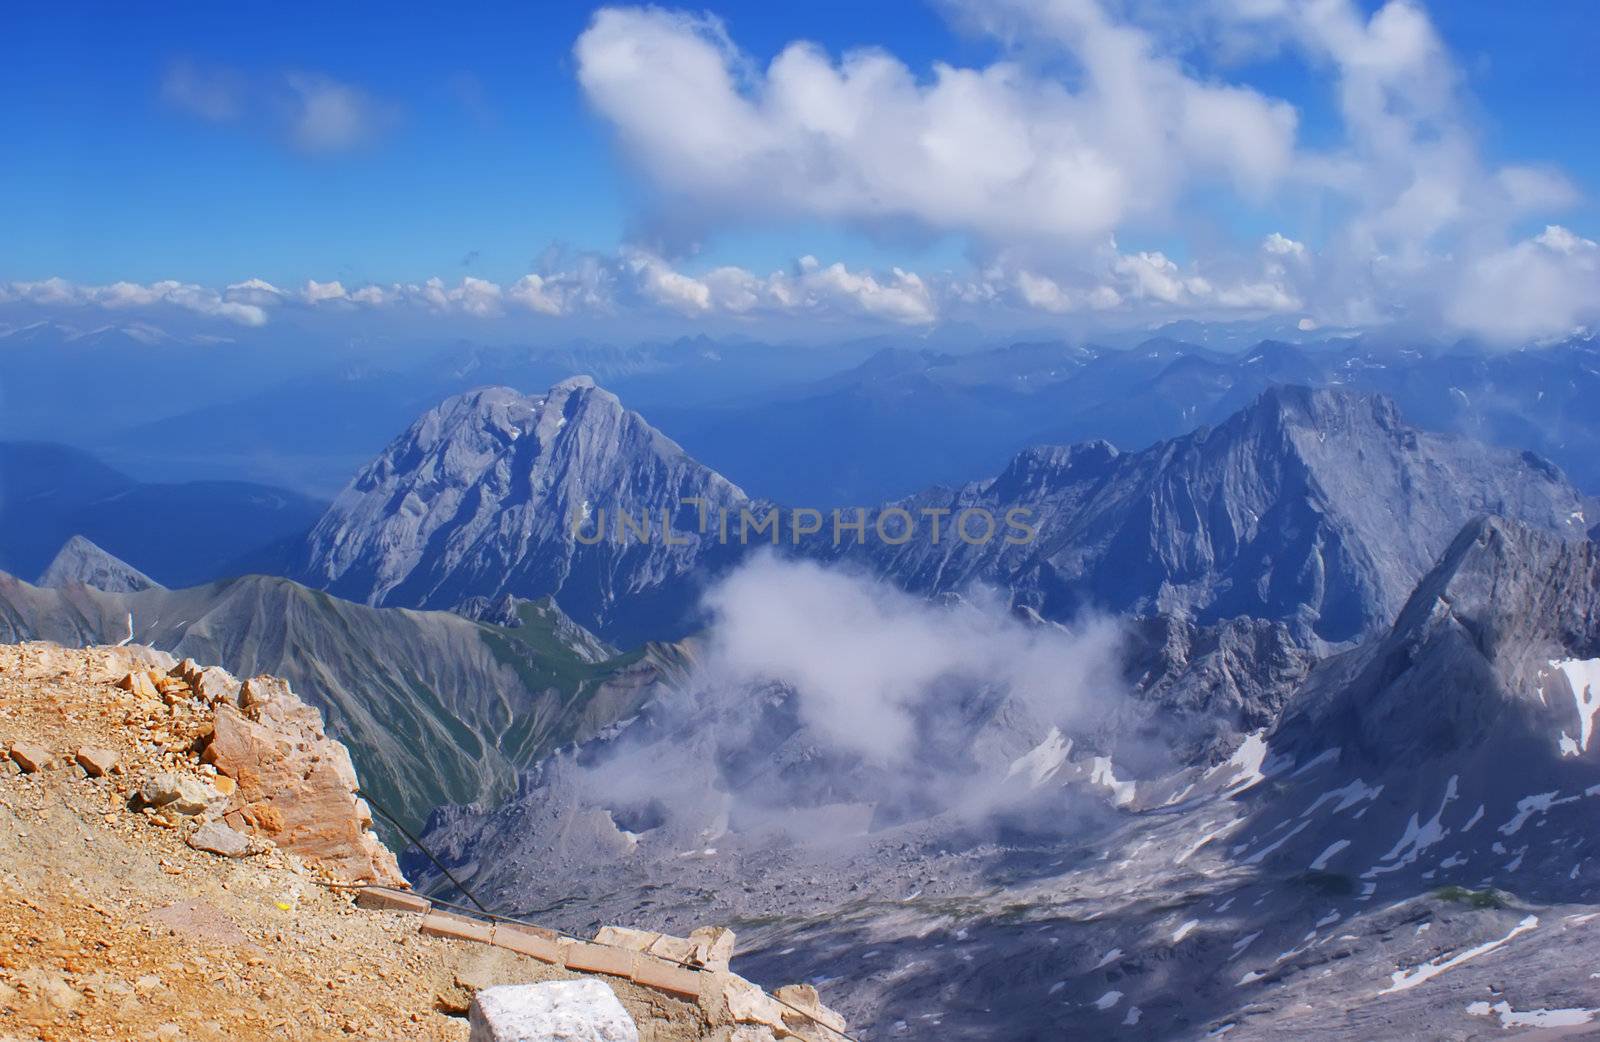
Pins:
x: 177, y: 534
x: 288, y: 407
x: 313, y: 431
x: 905, y: 419
x: 852, y: 424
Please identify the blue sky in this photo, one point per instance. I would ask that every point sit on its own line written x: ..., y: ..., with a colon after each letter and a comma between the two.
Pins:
x: 476, y: 150
x: 492, y: 151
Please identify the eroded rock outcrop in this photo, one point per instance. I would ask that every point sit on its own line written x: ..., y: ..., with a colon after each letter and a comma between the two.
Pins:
x: 127, y: 921
x: 294, y: 785
x: 256, y: 763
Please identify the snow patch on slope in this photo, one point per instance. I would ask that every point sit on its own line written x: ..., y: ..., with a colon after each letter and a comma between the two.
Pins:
x: 1041, y: 762
x: 1583, y: 678
x: 1404, y: 980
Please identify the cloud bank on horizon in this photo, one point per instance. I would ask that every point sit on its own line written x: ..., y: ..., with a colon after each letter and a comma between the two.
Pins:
x: 1090, y: 126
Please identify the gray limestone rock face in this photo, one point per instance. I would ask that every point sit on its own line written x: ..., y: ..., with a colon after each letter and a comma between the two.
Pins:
x: 489, y: 493
x: 574, y: 1011
x: 1491, y: 645
x: 1319, y: 509
x: 80, y: 561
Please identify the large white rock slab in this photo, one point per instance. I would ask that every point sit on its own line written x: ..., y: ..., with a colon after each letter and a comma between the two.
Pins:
x: 556, y: 1011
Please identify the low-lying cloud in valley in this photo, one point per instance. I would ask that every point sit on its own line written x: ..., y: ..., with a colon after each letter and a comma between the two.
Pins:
x: 867, y: 662
x: 827, y: 703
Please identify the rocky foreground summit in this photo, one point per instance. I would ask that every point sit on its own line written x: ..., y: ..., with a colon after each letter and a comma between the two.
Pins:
x: 183, y: 856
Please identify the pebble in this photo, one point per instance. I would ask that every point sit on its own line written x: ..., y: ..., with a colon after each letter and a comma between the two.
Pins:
x: 30, y: 757
x: 176, y: 793
x: 96, y: 763
x: 217, y: 838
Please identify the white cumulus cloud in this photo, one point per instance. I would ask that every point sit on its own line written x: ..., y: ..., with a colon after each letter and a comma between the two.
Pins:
x: 1543, y: 287
x: 999, y: 151
x: 811, y: 288
x: 1097, y: 119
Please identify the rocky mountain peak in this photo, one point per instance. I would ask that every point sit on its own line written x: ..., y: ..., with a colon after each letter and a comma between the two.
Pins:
x: 579, y: 382
x: 572, y: 397
x: 81, y: 561
x: 1325, y: 410
x: 454, y: 442
x: 484, y: 495
x: 1479, y: 651
x: 1380, y: 497
x: 1040, y: 467
x: 1515, y: 593
x: 1318, y: 508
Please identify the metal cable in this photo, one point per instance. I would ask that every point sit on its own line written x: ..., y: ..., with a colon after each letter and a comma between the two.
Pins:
x: 414, y: 841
